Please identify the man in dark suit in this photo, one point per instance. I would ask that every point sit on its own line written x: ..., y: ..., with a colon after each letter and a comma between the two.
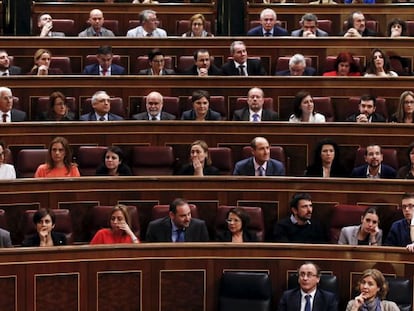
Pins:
x: 356, y: 26
x: 260, y: 163
x: 104, y: 67
x: 101, y: 105
x: 45, y: 23
x: 156, y: 60
x: 154, y: 104
x: 308, y: 296
x: 5, y: 68
x: 254, y: 112
x: 240, y: 65
x: 297, y: 67
x: 202, y: 65
x: 309, y: 29
x: 374, y: 168
x: 178, y: 226
x: 7, y: 113
x: 366, y: 114
x: 268, y: 27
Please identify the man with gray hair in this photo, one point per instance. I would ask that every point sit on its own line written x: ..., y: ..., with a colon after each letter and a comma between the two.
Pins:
x: 153, y: 104
x: 297, y: 67
x: 101, y: 105
x: 240, y: 65
x: 149, y: 26
x: 309, y: 23
x: 268, y: 27
x: 7, y: 113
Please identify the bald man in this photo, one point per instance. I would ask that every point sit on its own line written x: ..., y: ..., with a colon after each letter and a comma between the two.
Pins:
x: 96, y: 20
x: 153, y: 104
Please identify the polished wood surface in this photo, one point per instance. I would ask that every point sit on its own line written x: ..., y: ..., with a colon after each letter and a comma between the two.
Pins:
x: 152, y: 276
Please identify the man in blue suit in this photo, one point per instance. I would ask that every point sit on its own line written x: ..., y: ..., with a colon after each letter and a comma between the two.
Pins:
x: 268, y: 27
x: 101, y: 106
x: 308, y: 296
x: 260, y: 163
x: 104, y: 67
x: 374, y: 168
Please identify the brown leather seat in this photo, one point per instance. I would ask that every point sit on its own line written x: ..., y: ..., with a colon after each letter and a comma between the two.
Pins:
x: 324, y: 105
x: 221, y: 158
x: 410, y: 28
x: 43, y: 103
x: 389, y: 155
x: 100, y: 218
x: 117, y: 106
x: 89, y: 158
x: 162, y: 210
x: 325, y: 25
x: 61, y: 62
x: 67, y: 26
x: 63, y: 224
x: 330, y: 63
x: 256, y: 224
x: 344, y: 215
x: 152, y: 160
x: 183, y: 25
x: 112, y: 24
x: 28, y: 160
x: 185, y: 62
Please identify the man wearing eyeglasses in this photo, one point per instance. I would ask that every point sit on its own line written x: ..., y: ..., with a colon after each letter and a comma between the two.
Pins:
x: 299, y: 227
x: 308, y: 297
x: 402, y: 231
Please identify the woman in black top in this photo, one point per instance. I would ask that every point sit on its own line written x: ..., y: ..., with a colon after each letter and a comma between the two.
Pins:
x: 200, y: 162
x: 237, y: 221
x: 326, y: 161
x: 113, y: 163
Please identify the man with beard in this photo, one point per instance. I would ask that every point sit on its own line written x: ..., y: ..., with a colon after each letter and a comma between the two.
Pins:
x: 374, y: 168
x: 178, y: 226
x: 366, y: 114
x: 299, y: 227
x: 5, y: 68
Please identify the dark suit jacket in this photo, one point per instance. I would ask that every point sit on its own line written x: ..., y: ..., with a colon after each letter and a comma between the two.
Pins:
x: 376, y: 117
x: 258, y: 31
x: 15, y: 70
x: 34, y: 240
x: 94, y: 70
x: 323, y: 301
x: 246, y: 168
x: 226, y: 236
x: 92, y: 117
x: 319, y: 33
x: 212, y: 71
x: 366, y: 33
x: 309, y: 71
x: 211, y: 115
x: 160, y: 230
x: 148, y: 72
x: 18, y: 115
x: 254, y: 68
x: 386, y: 171
x: 144, y: 116
x: 244, y: 115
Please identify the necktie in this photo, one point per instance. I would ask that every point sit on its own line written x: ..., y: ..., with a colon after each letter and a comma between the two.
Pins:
x: 5, y: 117
x: 268, y: 34
x: 180, y: 235
x: 308, y: 303
x: 104, y: 72
x: 261, y: 171
x: 242, y: 71
x: 149, y: 34
x: 5, y: 74
x: 102, y: 119
x: 154, y: 118
x: 255, y: 117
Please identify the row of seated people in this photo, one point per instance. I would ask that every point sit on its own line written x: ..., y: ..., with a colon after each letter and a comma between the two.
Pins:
x: 201, y: 63
x: 258, y: 159
x: 203, y: 107
x: 197, y: 26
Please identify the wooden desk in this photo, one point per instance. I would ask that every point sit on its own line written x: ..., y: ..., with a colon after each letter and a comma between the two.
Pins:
x: 170, y: 277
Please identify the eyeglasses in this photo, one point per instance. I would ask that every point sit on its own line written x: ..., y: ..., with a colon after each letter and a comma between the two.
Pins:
x: 230, y: 221
x: 197, y: 24
x: 308, y: 275
x: 408, y: 206
x: 409, y: 102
